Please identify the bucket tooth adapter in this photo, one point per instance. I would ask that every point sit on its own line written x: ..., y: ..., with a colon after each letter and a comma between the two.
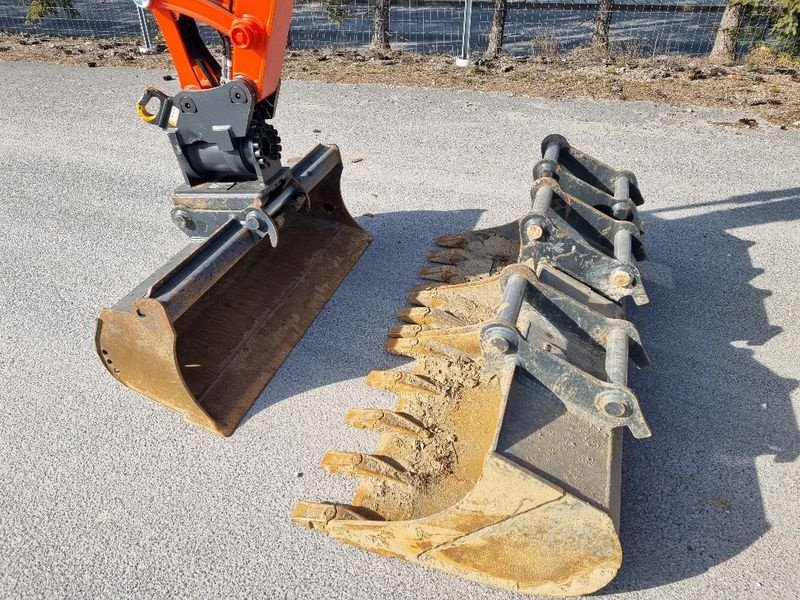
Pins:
x: 501, y: 462
x: 268, y: 244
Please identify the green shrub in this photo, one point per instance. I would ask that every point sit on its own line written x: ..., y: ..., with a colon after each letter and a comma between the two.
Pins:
x: 39, y: 9
x: 784, y: 16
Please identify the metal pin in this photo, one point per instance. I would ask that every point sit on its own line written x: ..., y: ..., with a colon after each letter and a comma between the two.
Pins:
x: 622, y: 188
x: 552, y: 151
x: 617, y: 357
x: 622, y: 193
x: 513, y: 294
x: 623, y: 276
x: 622, y: 246
x: 543, y: 199
x: 534, y: 227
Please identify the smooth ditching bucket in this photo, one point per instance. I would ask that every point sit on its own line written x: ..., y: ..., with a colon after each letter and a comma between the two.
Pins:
x: 205, y: 333
x: 501, y: 461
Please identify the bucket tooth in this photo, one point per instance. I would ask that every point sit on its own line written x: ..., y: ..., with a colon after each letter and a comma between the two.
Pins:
x: 317, y: 515
x: 405, y: 331
x: 458, y: 342
x: 420, y: 315
x: 358, y: 465
x: 452, y: 241
x: 519, y: 484
x: 386, y: 421
x: 418, y: 347
x: 443, y: 273
x: 205, y: 333
x: 469, y: 302
x: 498, y: 243
x: 475, y: 254
x: 403, y: 382
x: 409, y: 347
x: 424, y: 295
x: 451, y: 256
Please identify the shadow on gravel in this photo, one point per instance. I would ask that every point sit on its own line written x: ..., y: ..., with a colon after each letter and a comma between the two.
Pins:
x: 346, y: 341
x: 691, y: 497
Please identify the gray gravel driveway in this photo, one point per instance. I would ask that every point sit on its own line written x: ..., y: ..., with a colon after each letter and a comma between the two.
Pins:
x: 106, y: 495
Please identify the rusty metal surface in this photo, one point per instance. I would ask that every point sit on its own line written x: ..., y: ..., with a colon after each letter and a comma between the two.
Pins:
x: 475, y: 491
x: 236, y: 337
x: 501, y: 460
x: 204, y: 338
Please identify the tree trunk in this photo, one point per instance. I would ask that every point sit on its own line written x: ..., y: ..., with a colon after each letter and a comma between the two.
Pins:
x: 380, y: 31
x: 724, y: 50
x: 498, y: 26
x: 601, y: 32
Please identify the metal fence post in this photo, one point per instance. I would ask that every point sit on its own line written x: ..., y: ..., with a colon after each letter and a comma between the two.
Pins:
x: 463, y: 59
x: 148, y: 47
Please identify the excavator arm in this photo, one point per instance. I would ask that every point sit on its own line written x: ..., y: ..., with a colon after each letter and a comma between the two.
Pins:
x: 254, y: 34
x: 220, y: 116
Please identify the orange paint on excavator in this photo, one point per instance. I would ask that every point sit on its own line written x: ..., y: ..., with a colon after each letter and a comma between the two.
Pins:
x: 257, y: 29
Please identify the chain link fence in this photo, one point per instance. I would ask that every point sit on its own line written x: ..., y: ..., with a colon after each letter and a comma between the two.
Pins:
x: 638, y: 28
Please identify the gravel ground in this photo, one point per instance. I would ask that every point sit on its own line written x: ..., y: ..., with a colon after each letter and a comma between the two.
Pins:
x: 104, y: 494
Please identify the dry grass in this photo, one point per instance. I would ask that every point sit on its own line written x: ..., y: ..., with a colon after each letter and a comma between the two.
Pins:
x: 768, y: 84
